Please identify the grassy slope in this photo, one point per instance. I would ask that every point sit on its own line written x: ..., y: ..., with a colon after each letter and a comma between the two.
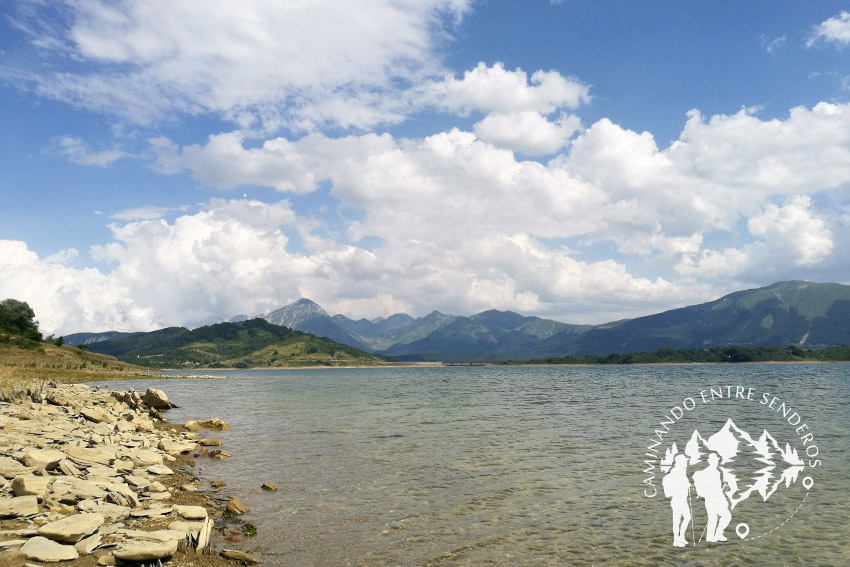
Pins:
x: 246, y: 344
x: 22, y: 360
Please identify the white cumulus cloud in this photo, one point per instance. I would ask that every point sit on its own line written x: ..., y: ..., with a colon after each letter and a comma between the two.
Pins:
x: 834, y: 30
x: 528, y: 132
x: 264, y: 63
x: 794, y: 230
x: 488, y: 89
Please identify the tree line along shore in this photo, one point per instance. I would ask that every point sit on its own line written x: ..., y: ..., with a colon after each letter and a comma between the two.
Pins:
x: 716, y: 355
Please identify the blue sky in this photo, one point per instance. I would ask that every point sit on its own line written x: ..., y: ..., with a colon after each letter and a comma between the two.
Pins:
x: 177, y: 163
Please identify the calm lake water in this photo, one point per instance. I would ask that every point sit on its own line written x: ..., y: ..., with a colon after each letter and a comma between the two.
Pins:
x: 514, y: 465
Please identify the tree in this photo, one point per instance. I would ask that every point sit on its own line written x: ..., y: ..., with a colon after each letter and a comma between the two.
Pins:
x: 18, y: 318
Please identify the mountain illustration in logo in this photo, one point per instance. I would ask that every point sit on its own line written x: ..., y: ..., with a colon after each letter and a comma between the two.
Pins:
x: 748, y: 465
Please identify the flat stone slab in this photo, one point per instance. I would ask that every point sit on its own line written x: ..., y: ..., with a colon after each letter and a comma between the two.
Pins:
x: 87, y: 457
x: 215, y: 424
x: 159, y: 469
x: 145, y: 550
x: 10, y: 468
x: 42, y: 458
x: 88, y: 545
x: 76, y: 488
x: 237, y: 555
x: 97, y: 415
x: 155, y: 535
x: 19, y: 506
x: 176, y: 447
x: 73, y: 528
x: 42, y: 549
x: 112, y: 512
x: 145, y: 457
x: 184, y: 527
x: 150, y: 512
x: 29, y: 485
x: 137, y: 481
x: 191, y: 512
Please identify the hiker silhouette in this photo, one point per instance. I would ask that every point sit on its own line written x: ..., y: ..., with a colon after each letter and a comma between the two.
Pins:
x: 676, y: 487
x: 708, y: 483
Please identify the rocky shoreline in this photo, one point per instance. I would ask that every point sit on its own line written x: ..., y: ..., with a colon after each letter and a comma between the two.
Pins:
x: 95, y: 477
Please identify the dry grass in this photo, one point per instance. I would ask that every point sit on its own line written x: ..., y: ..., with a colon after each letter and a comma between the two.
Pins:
x: 9, y: 379
x: 24, y: 361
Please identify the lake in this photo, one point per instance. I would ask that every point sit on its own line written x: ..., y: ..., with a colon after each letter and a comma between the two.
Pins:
x: 521, y: 465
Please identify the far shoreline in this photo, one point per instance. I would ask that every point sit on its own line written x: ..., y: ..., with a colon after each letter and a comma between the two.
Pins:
x: 476, y: 365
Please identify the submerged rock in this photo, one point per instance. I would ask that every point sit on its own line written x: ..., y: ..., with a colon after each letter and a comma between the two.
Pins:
x: 215, y: 424
x: 235, y: 506
x: 236, y: 555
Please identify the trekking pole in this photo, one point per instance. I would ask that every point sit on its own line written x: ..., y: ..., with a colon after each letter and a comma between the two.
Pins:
x: 691, y: 509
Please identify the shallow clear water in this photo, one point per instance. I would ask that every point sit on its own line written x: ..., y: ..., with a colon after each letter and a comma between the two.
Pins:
x: 511, y: 465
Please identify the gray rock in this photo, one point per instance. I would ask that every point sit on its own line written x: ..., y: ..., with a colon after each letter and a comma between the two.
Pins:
x: 137, y: 481
x: 42, y: 458
x: 150, y: 512
x: 68, y: 488
x: 29, y: 485
x: 87, y: 545
x: 191, y: 512
x: 73, y: 528
x: 42, y: 549
x: 235, y: 506
x: 10, y: 468
x: 97, y: 415
x: 175, y: 447
x: 155, y: 535
x: 86, y: 457
x: 145, y: 457
x: 237, y: 555
x: 19, y: 506
x: 185, y: 527
x: 68, y: 468
x: 112, y: 512
x: 140, y: 550
x: 215, y: 424
x: 156, y: 399
x: 159, y: 469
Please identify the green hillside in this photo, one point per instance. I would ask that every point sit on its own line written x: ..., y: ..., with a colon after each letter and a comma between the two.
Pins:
x: 246, y: 344
x: 794, y: 312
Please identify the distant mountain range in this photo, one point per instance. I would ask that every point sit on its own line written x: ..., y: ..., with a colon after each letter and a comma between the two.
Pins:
x: 793, y: 312
x: 243, y: 344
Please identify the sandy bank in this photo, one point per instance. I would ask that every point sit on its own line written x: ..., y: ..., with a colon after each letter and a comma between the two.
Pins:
x: 96, y: 477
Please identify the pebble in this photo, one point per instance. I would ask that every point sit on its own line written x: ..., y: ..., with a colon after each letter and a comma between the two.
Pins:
x: 77, y: 475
